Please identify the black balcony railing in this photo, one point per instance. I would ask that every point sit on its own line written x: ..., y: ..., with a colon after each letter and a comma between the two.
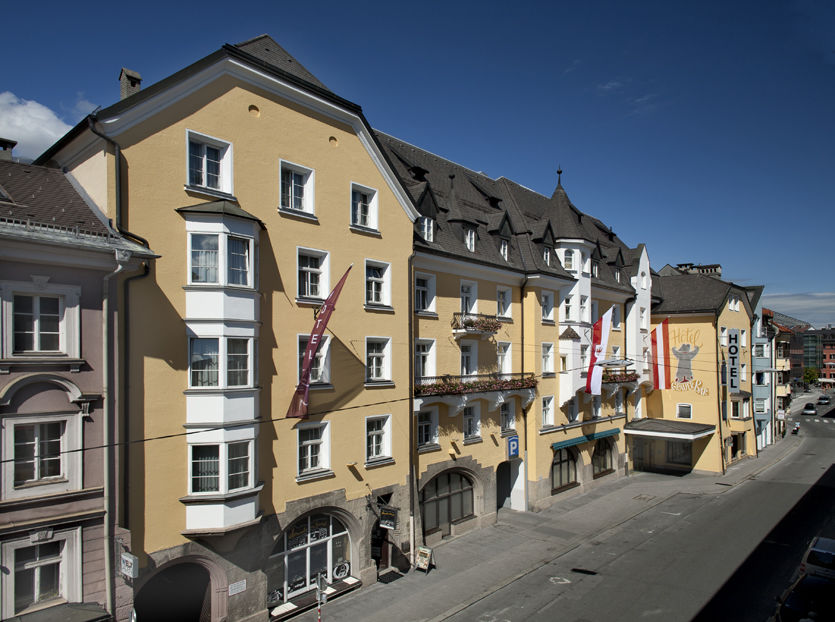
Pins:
x: 476, y: 322
x: 456, y: 385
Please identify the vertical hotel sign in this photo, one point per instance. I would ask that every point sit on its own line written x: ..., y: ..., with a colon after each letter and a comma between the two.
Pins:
x: 733, y: 360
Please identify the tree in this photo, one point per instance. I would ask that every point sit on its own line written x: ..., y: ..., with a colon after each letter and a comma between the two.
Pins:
x: 810, y: 375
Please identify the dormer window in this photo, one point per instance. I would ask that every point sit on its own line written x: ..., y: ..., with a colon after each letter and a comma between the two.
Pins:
x: 427, y: 228
x: 568, y: 262
x: 546, y: 255
x: 469, y: 239
x: 504, y: 248
x: 617, y: 276
x: 595, y: 268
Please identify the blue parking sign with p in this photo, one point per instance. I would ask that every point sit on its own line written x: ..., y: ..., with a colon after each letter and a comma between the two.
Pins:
x: 513, y: 447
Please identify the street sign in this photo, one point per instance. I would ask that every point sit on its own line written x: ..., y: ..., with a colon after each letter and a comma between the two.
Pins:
x: 388, y: 517
x: 512, y: 446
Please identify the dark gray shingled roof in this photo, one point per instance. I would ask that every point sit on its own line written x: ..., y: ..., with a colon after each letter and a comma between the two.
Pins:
x: 220, y: 207
x: 667, y: 426
x: 694, y: 293
x: 40, y: 203
x: 265, y: 48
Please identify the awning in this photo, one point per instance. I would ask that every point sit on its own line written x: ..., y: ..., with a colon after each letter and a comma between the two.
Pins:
x: 585, y: 438
x: 663, y: 428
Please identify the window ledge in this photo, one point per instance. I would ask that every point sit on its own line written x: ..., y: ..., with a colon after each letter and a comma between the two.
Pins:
x: 223, y: 497
x: 370, y: 306
x: 605, y: 473
x: 378, y: 384
x: 548, y: 374
x: 314, y: 302
x: 474, y: 440
x: 210, y: 192
x: 297, y: 213
x: 428, y: 448
x: 202, y: 287
x: 428, y: 314
x: 314, y: 475
x: 555, y: 491
x: 365, y: 230
x: 505, y: 318
x: 508, y: 432
x: 73, y: 364
x: 219, y: 390
x: 51, y: 497
x: 321, y: 386
x: 378, y: 462
x: 548, y: 322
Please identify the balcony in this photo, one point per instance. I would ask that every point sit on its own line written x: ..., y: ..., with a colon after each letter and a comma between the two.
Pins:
x: 474, y: 324
x: 620, y: 377
x: 457, y: 391
x: 481, y: 383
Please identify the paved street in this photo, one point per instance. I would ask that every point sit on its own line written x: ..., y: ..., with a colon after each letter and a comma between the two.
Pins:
x: 645, y: 547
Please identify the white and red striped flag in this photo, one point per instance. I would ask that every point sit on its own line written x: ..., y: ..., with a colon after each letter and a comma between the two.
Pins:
x: 599, y: 343
x: 298, y: 405
x: 661, y: 370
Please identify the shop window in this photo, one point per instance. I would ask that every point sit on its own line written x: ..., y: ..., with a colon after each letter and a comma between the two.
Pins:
x: 601, y: 459
x: 444, y: 501
x: 563, y: 471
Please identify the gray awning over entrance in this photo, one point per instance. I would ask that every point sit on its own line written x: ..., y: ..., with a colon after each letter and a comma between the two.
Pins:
x: 664, y: 428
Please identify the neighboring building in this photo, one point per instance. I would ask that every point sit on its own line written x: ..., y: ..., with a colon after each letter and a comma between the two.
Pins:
x: 763, y: 372
x: 259, y: 187
x: 701, y: 422
x: 782, y: 374
x: 797, y: 356
x: 827, y: 371
x: 60, y: 263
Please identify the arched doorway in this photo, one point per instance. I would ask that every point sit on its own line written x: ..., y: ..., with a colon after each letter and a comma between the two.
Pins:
x: 179, y: 593
x: 317, y: 543
x: 503, y: 485
x: 446, y: 499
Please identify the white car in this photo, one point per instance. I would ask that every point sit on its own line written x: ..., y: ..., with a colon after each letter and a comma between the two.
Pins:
x: 809, y: 409
x: 819, y: 559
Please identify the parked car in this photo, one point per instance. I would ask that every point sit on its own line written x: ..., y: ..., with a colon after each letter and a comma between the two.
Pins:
x: 810, y: 409
x: 819, y: 559
x: 809, y: 598
x: 824, y: 400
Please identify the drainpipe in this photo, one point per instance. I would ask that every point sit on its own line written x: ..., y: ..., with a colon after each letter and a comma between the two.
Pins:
x: 524, y: 411
x: 117, y: 170
x: 412, y: 453
x: 121, y: 257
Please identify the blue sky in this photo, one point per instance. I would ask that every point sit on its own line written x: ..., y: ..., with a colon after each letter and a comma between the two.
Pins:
x: 704, y: 129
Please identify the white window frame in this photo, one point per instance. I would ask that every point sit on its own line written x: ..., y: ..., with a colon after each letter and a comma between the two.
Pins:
x: 385, y: 363
x: 472, y: 297
x: 616, y: 323
x: 546, y: 255
x: 308, y: 185
x: 69, y: 316
x: 223, y: 361
x: 568, y: 259
x: 430, y: 292
x: 504, y: 357
x: 507, y: 311
x: 644, y: 318
x: 566, y: 308
x: 223, y: 467
x: 429, y: 358
x: 373, y: 207
x: 763, y: 403
x: 584, y: 304
x: 471, y: 414
x: 584, y: 358
x: 615, y: 352
x: 595, y: 268
x: 547, y: 360
x: 384, y: 283
x: 743, y: 372
x: 471, y: 357
x: 323, y: 272
x: 225, y: 182
x: 324, y: 443
x: 223, y: 265
x: 69, y: 572
x: 507, y: 416
x: 723, y: 336
x: 547, y: 405
x: 432, y: 437
x: 684, y: 408
x: 426, y: 226
x: 324, y: 353
x: 384, y: 435
x: 71, y: 462
x: 504, y: 248
x: 546, y: 304
x: 743, y: 338
x: 469, y: 238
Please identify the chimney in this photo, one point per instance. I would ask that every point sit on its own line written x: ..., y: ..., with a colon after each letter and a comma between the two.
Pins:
x: 6, y: 147
x: 129, y: 83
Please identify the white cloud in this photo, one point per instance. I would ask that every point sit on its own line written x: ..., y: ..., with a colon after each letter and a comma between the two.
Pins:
x: 611, y: 85
x: 34, y: 126
x: 817, y: 308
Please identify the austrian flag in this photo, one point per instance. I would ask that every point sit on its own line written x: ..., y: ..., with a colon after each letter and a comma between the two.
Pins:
x: 600, y: 341
x: 661, y: 356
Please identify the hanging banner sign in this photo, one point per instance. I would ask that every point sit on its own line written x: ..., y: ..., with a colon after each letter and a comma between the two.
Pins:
x: 388, y: 517
x: 734, y: 354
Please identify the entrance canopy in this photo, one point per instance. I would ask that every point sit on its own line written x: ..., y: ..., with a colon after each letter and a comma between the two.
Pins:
x: 585, y: 438
x: 663, y: 428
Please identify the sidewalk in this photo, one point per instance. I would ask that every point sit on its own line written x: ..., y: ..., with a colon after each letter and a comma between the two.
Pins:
x: 472, y: 565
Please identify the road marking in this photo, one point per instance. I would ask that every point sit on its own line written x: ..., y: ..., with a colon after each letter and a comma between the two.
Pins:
x: 559, y: 580
x: 672, y: 513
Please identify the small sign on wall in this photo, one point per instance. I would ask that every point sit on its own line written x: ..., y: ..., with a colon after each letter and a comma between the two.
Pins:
x: 237, y: 587
x: 130, y: 566
x: 388, y: 517
x: 512, y: 446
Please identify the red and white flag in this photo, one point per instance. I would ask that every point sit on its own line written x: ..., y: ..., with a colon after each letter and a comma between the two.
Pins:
x: 661, y: 370
x: 298, y: 405
x: 600, y: 341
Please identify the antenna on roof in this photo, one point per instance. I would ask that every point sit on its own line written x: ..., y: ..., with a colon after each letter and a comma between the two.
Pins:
x: 559, y: 175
